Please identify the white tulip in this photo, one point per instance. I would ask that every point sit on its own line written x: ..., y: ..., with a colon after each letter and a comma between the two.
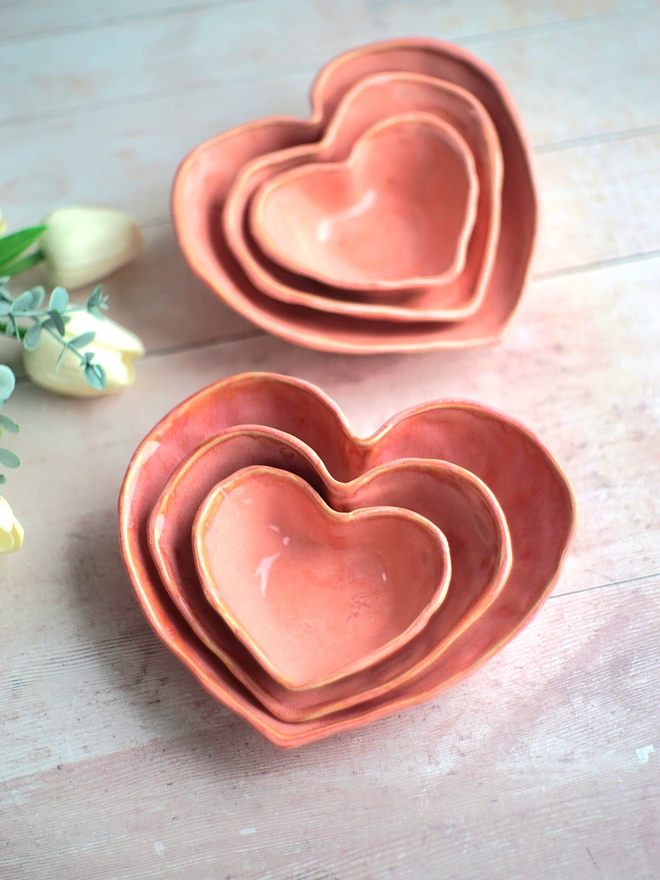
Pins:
x: 114, y: 347
x: 11, y: 531
x: 83, y: 244
x: 3, y: 223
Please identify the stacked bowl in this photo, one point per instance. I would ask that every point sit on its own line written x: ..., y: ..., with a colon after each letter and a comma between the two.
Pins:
x: 314, y: 580
x: 400, y: 217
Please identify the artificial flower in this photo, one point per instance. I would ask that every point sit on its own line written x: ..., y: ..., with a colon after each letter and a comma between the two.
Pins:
x: 114, y: 348
x: 84, y: 244
x: 11, y: 531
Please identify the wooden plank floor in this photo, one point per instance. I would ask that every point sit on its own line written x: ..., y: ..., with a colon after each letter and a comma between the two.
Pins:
x: 114, y: 763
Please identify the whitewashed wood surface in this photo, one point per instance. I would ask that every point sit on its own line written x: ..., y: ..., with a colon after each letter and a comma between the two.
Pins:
x: 114, y: 763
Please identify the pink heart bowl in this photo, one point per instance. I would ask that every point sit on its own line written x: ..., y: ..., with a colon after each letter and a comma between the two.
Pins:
x: 206, y: 176
x: 371, y: 101
x: 456, y: 502
x: 315, y: 595
x: 533, y: 494
x: 398, y: 213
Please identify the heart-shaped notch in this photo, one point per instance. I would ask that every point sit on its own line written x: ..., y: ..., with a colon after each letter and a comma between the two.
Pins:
x: 315, y: 594
x: 397, y: 214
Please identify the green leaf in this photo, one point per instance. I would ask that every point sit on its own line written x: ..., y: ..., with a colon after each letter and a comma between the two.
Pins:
x: 95, y: 375
x: 12, y: 246
x: 38, y: 295
x: 10, y: 329
x: 59, y: 300
x: 83, y: 340
x: 9, y: 424
x: 9, y: 459
x: 4, y: 308
x: 58, y: 323
x: 3, y: 479
x: 23, y: 303
x: 23, y: 265
x: 7, y: 382
x: 31, y: 338
x: 5, y: 295
x: 95, y: 297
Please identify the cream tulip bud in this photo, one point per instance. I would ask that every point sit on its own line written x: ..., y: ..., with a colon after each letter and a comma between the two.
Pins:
x: 11, y: 531
x: 83, y: 244
x: 3, y: 224
x: 114, y: 348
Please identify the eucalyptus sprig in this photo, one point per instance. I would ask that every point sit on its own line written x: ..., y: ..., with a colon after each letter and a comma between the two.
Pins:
x: 8, y: 458
x: 52, y: 319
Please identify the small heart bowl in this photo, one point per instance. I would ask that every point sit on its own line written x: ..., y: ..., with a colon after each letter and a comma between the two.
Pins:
x: 398, y: 213
x: 314, y: 594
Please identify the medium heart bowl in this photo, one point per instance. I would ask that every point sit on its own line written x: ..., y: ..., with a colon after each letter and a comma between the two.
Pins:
x: 530, y: 489
x: 455, y: 501
x: 371, y: 101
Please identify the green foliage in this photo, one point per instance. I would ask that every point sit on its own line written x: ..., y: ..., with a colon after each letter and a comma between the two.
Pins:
x: 15, y: 244
x: 7, y: 384
x: 52, y: 320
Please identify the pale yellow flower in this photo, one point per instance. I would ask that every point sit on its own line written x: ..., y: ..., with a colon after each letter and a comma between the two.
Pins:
x: 115, y: 348
x: 11, y: 531
x: 83, y: 244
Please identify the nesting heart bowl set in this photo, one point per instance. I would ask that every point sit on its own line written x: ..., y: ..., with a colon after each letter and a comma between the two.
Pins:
x: 313, y: 580
x: 401, y: 216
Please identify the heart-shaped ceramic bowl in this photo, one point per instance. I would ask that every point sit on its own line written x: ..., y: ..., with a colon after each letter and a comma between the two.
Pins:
x: 397, y: 213
x: 453, y: 500
x: 531, y: 490
x: 315, y: 594
x: 206, y: 176
x: 371, y: 101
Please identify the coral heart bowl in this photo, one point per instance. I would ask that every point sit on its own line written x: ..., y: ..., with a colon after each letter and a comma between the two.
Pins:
x: 398, y: 213
x: 315, y: 594
x: 501, y: 463
x: 206, y: 177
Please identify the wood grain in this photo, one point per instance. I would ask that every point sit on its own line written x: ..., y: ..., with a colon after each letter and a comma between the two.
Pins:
x: 114, y: 763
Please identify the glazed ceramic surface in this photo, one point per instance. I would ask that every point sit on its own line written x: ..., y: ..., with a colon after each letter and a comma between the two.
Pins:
x: 314, y: 594
x: 206, y: 176
x: 449, y: 497
x: 532, y: 492
x: 370, y: 101
x: 398, y: 213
